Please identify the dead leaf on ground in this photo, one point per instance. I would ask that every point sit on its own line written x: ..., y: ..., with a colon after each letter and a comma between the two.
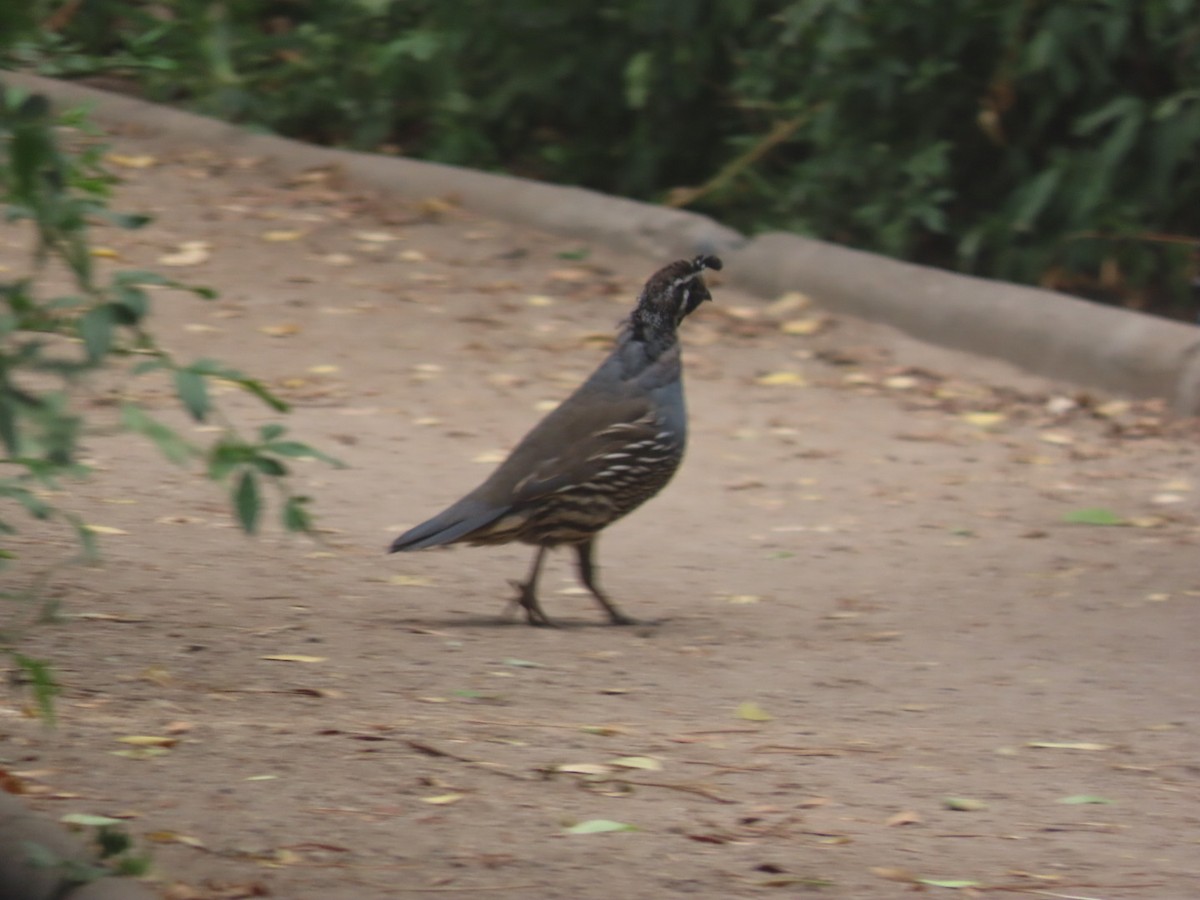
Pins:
x: 752, y: 712
x: 104, y: 529
x: 294, y: 657
x: 894, y: 873
x: 443, y: 799
x: 286, y: 329
x: 594, y: 769
x: 648, y: 763
x: 148, y: 740
x: 189, y: 253
x: 174, y: 837
x: 1067, y: 745
x: 964, y: 804
x: 410, y: 580
x: 131, y: 161
x: 984, y: 419
x: 804, y: 327
x: 782, y: 379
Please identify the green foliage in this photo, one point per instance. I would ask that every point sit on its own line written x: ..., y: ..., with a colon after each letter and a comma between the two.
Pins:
x: 115, y: 854
x: 1038, y: 142
x: 53, y: 347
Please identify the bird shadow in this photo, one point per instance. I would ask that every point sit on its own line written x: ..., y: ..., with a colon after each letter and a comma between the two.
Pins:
x: 449, y: 623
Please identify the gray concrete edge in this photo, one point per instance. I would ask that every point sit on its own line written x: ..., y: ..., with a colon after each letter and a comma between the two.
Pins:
x: 1044, y: 332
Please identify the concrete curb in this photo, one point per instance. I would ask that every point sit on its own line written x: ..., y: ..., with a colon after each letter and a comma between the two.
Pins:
x: 21, y: 880
x: 1047, y: 333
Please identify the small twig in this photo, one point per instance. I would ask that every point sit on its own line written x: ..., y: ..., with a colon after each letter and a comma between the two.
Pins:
x: 1026, y: 889
x: 520, y: 724
x: 687, y: 788
x: 814, y: 751
x: 723, y: 766
x: 783, y: 130
x: 391, y: 888
x: 430, y: 750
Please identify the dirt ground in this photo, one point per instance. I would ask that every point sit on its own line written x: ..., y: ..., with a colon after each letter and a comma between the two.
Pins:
x: 869, y: 608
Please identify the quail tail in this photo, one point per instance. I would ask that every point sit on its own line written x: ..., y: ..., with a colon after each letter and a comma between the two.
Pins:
x: 447, y: 527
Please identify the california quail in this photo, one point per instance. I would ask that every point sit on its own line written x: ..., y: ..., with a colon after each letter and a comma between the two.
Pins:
x: 607, y: 449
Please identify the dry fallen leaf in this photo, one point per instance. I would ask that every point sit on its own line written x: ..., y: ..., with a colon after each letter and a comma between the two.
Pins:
x: 964, y: 804
x: 105, y: 253
x: 1060, y: 438
x: 984, y: 419
x: 804, y: 327
x: 294, y: 657
x: 410, y: 580
x: 584, y: 769
x: 285, y: 330
x: 907, y: 817
x: 791, y: 302
x: 752, y: 712
x: 148, y: 740
x: 173, y: 837
x: 139, y: 161
x: 190, y: 253
x: 648, y: 763
x: 894, y: 874
x: 781, y: 379
x: 443, y: 799
x: 104, y: 529
x: 281, y: 236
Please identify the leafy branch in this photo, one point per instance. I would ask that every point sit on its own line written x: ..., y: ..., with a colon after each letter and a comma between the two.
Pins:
x: 52, y: 348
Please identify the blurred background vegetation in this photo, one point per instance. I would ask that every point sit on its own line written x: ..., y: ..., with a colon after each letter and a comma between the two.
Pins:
x: 1040, y: 142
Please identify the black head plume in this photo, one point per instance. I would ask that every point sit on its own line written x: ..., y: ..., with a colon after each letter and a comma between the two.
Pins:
x: 671, y: 294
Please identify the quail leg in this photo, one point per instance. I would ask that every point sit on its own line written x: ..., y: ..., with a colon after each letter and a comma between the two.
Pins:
x: 527, y: 593
x: 587, y: 574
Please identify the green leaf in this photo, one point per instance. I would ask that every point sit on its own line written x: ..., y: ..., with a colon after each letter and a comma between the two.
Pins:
x: 8, y: 424
x: 149, y: 365
x: 1034, y: 198
x: 132, y: 304
x: 637, y: 79
x: 246, y: 501
x: 86, y: 536
x: 1097, y: 515
x: 259, y: 390
x: 298, y: 450
x: 192, y: 389
x: 270, y: 432
x: 295, y: 516
x: 168, y: 441
x: 599, y: 826
x: 272, y: 468
x: 96, y: 329
x: 41, y: 677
